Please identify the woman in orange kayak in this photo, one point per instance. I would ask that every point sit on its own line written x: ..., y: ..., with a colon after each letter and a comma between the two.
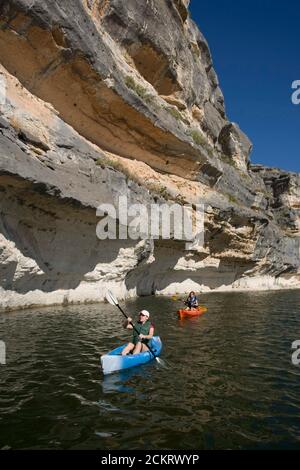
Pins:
x: 191, y: 301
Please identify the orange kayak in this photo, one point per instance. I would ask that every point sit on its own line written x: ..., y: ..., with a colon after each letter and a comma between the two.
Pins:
x: 191, y: 313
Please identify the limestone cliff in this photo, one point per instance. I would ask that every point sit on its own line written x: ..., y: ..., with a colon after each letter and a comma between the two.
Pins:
x: 101, y: 98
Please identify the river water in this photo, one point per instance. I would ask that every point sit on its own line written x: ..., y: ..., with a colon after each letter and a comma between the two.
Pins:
x: 230, y: 382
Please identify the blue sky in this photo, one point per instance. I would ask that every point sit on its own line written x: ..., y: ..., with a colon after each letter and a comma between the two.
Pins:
x: 255, y: 47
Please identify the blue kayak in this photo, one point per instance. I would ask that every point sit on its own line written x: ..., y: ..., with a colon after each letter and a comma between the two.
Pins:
x: 114, y: 361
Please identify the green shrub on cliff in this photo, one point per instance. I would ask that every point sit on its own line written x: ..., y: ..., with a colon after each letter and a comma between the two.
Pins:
x: 141, y: 91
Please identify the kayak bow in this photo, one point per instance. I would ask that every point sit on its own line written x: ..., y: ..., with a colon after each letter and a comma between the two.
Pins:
x: 191, y: 313
x: 114, y: 361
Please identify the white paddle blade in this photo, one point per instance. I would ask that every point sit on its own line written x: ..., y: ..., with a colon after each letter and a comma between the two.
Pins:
x: 161, y: 363
x: 111, y: 298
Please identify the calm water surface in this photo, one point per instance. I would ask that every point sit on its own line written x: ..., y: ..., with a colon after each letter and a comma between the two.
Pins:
x: 230, y: 382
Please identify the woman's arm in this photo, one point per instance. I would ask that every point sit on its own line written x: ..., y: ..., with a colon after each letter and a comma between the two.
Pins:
x: 127, y: 324
x: 150, y: 335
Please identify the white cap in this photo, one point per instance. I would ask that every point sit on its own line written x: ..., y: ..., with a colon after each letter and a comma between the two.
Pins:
x: 145, y: 312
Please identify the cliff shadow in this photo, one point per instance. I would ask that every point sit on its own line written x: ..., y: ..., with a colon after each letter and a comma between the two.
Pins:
x: 174, y: 265
x: 48, y: 244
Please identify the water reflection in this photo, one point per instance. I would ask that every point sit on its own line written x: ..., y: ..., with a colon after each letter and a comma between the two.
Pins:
x: 118, y: 382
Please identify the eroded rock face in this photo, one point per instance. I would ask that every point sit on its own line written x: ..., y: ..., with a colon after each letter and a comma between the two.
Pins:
x: 235, y: 145
x: 102, y: 98
x: 114, y: 83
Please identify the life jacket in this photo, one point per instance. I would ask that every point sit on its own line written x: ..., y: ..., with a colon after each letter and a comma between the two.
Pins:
x: 141, y: 329
x: 193, y: 301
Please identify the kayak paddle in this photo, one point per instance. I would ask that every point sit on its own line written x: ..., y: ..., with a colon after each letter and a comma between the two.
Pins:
x: 114, y: 301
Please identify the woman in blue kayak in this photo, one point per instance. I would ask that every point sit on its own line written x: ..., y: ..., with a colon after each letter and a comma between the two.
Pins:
x: 192, y: 301
x: 142, y: 333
